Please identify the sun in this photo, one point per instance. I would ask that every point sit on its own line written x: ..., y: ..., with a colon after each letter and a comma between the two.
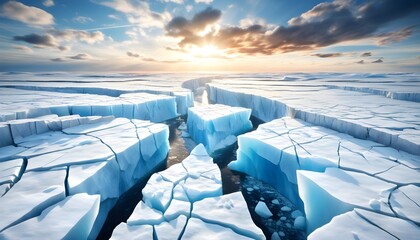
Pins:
x: 206, y: 51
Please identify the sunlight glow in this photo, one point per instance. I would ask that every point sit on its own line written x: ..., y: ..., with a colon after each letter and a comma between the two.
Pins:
x: 206, y: 51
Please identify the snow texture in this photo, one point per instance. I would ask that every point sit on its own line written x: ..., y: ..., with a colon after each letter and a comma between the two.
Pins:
x: 72, y: 218
x: 355, y: 104
x: 33, y: 104
x: 362, y: 224
x: 56, y: 158
x: 185, y: 201
x: 216, y: 126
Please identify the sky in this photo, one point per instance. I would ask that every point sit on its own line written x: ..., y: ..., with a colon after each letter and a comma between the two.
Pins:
x: 210, y: 35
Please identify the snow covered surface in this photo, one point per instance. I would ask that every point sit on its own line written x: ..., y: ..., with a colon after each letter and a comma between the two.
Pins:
x: 185, y: 201
x: 365, y: 106
x: 277, y: 149
x: 71, y: 218
x: 328, y: 173
x: 216, y: 126
x: 57, y: 158
x: 354, y: 172
x: 112, y: 85
x: 362, y: 224
x: 21, y: 104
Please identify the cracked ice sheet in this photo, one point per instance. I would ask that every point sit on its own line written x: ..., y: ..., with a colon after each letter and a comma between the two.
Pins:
x: 326, y: 195
x: 405, y: 201
x: 336, y: 109
x: 169, y: 195
x: 71, y: 218
x: 216, y: 126
x: 145, y: 106
x: 277, y: 149
x: 31, y: 195
x: 362, y: 224
x: 91, y: 164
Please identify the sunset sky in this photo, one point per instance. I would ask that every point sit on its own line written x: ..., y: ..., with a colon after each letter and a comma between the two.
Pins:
x: 210, y: 35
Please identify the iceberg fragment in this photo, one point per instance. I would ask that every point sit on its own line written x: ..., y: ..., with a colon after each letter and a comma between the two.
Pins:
x: 216, y: 126
x: 185, y: 201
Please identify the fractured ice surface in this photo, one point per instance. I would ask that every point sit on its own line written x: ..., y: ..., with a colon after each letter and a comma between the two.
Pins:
x: 21, y: 104
x: 362, y: 224
x: 405, y: 201
x: 216, y: 126
x: 185, y: 201
x: 278, y: 148
x: 31, y: 195
x: 71, y: 218
x: 363, y: 114
x: 336, y: 191
x: 93, y: 155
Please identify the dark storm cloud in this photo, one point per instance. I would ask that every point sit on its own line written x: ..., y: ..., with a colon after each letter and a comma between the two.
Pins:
x: 366, y: 54
x: 325, y: 24
x: 41, y: 40
x: 361, y: 62
x: 378, y: 61
x: 327, y: 55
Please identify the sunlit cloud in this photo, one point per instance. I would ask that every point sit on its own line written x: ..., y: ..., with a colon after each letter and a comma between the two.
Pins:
x: 392, y: 37
x: 82, y: 19
x: 26, y: 14
x: 48, y: 3
x: 324, y: 25
x: 204, y: 1
x: 139, y: 12
x: 23, y: 48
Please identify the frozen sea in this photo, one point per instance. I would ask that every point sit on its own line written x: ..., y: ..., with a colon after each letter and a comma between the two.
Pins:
x: 328, y: 154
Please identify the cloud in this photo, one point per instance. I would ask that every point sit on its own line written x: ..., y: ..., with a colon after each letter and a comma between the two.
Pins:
x: 81, y: 56
x: 46, y: 40
x: 57, y: 59
x: 325, y: 24
x: 327, y: 55
x: 113, y: 16
x: 26, y: 14
x: 361, y: 62
x: 23, y: 48
x: 82, y: 19
x: 53, y: 38
x: 181, y: 27
x: 174, y: 1
x: 366, y: 54
x: 130, y: 54
x: 150, y: 59
x: 139, y: 12
x: 378, y: 61
x: 48, y: 3
x: 203, y: 1
x: 189, y: 8
x: 78, y: 35
x: 392, y: 37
